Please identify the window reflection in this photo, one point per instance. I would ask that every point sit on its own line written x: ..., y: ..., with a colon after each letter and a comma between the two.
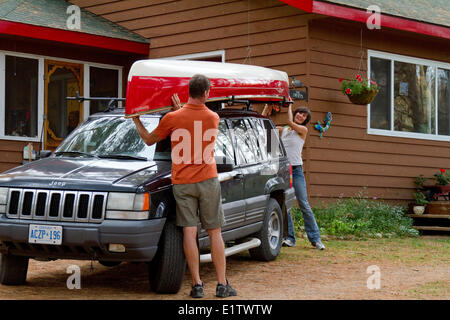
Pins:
x: 414, y: 98
x: 112, y: 135
x: 224, y: 146
x: 244, y: 148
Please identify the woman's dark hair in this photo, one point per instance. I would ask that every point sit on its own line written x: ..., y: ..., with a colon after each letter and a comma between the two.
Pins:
x: 198, y: 85
x: 303, y: 110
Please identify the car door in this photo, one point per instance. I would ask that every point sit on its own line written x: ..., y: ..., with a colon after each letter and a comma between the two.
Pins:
x: 231, y: 183
x: 251, y: 161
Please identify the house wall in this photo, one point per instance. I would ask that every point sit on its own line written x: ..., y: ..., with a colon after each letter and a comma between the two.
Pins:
x: 277, y: 34
x: 348, y: 159
x: 12, y: 151
x: 315, y: 49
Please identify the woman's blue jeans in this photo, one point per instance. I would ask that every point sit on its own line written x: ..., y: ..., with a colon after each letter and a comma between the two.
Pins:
x: 311, y: 228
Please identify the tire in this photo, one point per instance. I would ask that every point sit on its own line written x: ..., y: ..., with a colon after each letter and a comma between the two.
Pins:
x: 109, y: 263
x: 13, y: 269
x: 166, y: 271
x: 271, y: 234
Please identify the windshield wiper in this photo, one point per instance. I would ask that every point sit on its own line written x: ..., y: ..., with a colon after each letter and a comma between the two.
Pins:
x: 122, y: 156
x: 76, y: 153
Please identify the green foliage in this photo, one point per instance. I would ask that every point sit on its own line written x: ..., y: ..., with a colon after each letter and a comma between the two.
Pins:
x: 442, y: 178
x: 420, y: 181
x: 357, y: 85
x: 421, y: 199
x: 360, y: 218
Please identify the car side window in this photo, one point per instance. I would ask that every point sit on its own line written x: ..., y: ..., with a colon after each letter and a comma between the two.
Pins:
x: 244, y: 148
x: 262, y: 135
x: 274, y: 147
x: 224, y: 144
x: 253, y: 135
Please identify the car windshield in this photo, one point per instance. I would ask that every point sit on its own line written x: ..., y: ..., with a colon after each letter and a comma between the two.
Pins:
x: 114, y: 137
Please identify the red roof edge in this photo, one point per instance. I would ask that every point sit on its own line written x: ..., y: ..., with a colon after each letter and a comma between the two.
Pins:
x: 73, y: 37
x: 334, y: 10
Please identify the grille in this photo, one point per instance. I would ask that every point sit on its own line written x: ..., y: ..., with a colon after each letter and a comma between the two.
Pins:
x: 56, y: 205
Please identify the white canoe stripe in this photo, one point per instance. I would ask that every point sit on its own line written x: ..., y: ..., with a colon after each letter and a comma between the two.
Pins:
x: 217, y: 70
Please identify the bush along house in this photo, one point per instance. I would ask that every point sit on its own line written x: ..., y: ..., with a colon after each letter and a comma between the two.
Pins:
x: 49, y: 49
x: 377, y: 147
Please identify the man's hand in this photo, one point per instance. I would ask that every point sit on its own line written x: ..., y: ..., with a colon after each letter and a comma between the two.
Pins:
x: 176, y: 102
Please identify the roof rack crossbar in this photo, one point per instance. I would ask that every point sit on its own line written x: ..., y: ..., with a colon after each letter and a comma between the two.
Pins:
x: 112, y: 104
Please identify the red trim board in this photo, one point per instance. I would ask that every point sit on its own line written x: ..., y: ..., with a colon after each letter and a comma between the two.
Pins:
x: 73, y: 37
x: 334, y: 10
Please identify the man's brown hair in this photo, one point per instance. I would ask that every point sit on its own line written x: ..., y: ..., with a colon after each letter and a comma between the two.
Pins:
x: 198, y: 85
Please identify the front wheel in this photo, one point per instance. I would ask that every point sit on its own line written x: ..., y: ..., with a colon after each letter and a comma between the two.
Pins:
x: 166, y: 271
x: 271, y: 234
x: 13, y: 269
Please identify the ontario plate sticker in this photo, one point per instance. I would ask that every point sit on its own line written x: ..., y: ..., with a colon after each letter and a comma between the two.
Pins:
x: 45, y: 234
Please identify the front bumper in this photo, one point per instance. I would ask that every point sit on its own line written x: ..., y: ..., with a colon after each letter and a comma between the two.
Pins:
x: 85, y: 241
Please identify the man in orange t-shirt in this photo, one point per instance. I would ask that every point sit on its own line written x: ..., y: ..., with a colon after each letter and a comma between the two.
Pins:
x: 196, y: 188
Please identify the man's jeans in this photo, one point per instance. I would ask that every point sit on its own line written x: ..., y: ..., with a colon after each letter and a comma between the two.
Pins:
x: 311, y: 228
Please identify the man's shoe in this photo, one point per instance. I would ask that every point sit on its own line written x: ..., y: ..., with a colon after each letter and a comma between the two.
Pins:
x: 319, y: 245
x: 225, y: 291
x: 288, y: 243
x: 197, y: 291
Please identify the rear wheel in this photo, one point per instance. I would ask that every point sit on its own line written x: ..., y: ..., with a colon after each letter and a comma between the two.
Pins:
x: 166, y: 271
x: 13, y: 269
x: 270, y: 234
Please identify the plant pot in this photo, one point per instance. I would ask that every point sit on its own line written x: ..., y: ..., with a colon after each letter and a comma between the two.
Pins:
x: 419, y: 209
x: 442, y: 191
x: 364, y: 97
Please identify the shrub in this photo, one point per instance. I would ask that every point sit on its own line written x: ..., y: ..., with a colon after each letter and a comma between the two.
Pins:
x: 360, y: 218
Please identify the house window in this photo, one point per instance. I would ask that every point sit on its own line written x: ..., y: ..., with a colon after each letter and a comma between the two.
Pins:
x: 21, y: 96
x: 102, y: 83
x: 414, y: 98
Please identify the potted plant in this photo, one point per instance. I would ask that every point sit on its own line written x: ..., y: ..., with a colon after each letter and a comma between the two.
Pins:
x: 421, y: 202
x: 358, y: 90
x: 442, y: 183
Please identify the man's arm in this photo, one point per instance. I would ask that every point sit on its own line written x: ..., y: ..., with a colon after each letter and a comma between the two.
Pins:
x: 151, y: 137
x: 148, y: 137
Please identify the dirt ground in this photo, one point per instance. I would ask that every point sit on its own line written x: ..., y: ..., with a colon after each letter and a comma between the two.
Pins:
x: 409, y: 269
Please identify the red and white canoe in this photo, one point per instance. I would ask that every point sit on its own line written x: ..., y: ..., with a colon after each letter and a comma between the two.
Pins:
x: 151, y: 83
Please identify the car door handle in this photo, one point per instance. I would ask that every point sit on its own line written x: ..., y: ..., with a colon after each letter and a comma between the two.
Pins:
x: 238, y: 176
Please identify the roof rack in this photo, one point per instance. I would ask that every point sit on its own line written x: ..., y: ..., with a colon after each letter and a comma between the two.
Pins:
x: 112, y: 104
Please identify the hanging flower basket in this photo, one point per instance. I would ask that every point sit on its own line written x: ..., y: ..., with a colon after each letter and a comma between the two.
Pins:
x: 358, y: 90
x: 363, y: 98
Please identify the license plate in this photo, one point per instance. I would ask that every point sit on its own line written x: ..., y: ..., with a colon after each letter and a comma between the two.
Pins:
x: 45, y: 234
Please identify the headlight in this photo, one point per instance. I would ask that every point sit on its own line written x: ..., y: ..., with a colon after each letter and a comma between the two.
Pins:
x: 3, y: 199
x: 3, y: 195
x: 130, y: 206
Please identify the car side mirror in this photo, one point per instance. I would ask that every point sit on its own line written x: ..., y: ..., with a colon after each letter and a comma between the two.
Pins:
x: 224, y: 164
x: 44, y: 154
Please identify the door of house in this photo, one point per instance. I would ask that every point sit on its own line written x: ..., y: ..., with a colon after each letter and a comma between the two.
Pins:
x: 62, y: 79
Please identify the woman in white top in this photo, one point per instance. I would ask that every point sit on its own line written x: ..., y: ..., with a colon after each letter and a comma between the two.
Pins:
x: 294, y: 136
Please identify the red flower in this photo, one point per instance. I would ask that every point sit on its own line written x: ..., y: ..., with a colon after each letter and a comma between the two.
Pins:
x: 348, y: 91
x: 340, y: 79
x: 358, y: 76
x: 359, y: 79
x: 373, y: 82
x: 442, y: 170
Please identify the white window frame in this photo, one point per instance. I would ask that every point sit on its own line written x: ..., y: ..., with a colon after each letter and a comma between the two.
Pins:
x: 401, y: 58
x: 41, y: 83
x: 199, y: 56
